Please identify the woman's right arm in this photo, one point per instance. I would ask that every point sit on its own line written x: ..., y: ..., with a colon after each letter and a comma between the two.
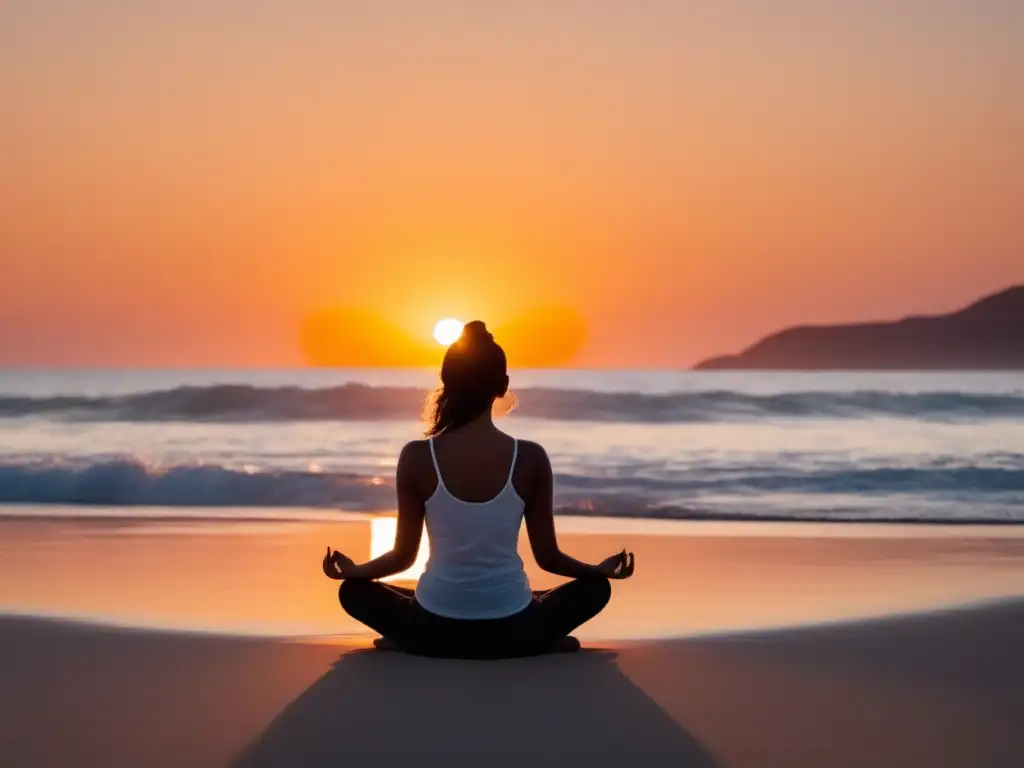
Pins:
x: 540, y: 526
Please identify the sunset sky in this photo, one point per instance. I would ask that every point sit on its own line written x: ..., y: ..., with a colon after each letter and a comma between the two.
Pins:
x: 203, y: 183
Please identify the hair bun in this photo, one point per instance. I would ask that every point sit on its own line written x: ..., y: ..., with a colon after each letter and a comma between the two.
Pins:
x: 476, y: 332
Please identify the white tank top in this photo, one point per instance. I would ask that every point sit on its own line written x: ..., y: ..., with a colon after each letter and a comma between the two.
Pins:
x: 474, y: 570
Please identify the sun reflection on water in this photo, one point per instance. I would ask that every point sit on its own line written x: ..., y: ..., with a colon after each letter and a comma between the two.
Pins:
x: 382, y: 539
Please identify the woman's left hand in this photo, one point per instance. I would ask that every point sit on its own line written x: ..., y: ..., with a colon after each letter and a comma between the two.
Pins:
x: 336, y: 565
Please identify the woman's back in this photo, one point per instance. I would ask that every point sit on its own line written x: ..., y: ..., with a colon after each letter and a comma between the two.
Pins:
x: 473, y: 516
x: 472, y: 486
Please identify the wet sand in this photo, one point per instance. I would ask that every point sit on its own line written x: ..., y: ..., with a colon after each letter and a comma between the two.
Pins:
x: 264, y: 577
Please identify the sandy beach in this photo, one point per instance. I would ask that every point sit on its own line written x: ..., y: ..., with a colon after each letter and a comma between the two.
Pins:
x: 810, y: 681
x: 937, y: 690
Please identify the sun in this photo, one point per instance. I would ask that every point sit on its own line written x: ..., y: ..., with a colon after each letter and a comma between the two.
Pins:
x: 448, y: 330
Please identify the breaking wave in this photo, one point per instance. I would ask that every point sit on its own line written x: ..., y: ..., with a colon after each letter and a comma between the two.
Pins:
x: 129, y: 482
x: 358, y: 402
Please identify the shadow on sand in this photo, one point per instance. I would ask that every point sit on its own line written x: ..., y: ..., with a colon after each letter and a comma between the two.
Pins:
x: 395, y: 709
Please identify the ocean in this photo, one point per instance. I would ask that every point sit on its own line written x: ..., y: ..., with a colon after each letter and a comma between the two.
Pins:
x: 877, y: 447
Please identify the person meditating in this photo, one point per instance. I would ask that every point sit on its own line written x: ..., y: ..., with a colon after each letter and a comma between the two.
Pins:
x: 474, y: 485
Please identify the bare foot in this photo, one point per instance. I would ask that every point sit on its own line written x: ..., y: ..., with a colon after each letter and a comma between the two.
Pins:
x: 567, y: 644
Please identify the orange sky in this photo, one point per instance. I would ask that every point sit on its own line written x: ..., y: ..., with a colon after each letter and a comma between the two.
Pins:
x: 188, y: 186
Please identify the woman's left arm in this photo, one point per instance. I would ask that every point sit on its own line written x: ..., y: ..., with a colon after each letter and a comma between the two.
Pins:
x: 411, y: 512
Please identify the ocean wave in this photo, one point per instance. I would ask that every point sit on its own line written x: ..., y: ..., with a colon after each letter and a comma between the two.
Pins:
x: 877, y: 480
x: 358, y: 402
x: 130, y: 482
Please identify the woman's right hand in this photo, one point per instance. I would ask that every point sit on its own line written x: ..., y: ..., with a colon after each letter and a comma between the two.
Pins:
x: 336, y: 565
x: 618, y: 566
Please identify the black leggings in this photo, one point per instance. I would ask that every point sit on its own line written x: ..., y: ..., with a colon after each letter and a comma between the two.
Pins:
x: 395, y: 614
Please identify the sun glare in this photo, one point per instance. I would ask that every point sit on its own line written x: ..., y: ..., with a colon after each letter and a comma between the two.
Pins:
x: 382, y: 539
x: 448, y: 330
